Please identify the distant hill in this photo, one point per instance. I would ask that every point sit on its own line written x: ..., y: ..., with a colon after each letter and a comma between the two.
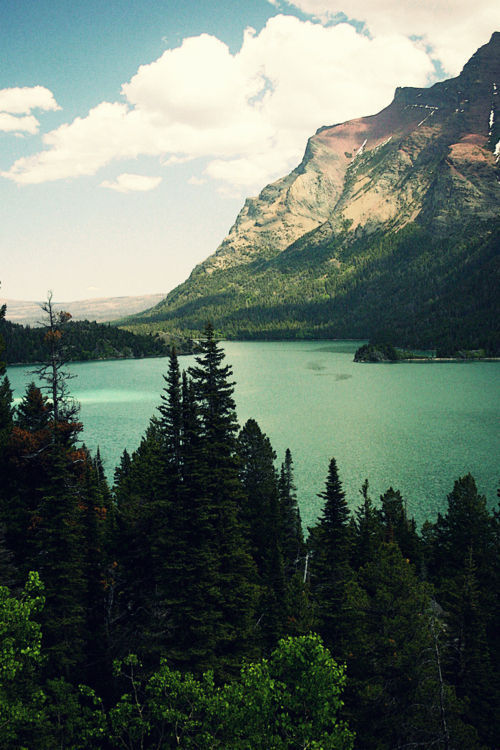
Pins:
x: 85, y: 341
x: 388, y: 229
x: 100, y: 310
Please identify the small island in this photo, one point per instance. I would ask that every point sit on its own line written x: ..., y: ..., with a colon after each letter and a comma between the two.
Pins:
x: 378, y: 353
x: 372, y: 352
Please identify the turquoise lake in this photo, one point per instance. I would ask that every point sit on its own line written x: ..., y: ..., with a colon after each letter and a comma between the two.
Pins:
x: 416, y: 427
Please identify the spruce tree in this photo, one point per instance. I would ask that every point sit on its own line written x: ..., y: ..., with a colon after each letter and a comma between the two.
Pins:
x: 464, y: 565
x: 398, y: 527
x: 397, y: 694
x: 292, y: 541
x: 60, y: 562
x: 26, y: 471
x: 368, y: 531
x: 330, y: 550
x: 194, y: 597
x: 234, y: 585
x: 260, y: 513
x: 136, y: 495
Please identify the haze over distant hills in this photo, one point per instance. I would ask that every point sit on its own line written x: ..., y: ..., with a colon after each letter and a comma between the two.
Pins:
x: 100, y: 310
x: 389, y: 228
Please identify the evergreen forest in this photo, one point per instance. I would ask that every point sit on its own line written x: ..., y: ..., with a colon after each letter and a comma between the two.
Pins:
x: 85, y: 341
x: 414, y: 289
x: 184, y: 606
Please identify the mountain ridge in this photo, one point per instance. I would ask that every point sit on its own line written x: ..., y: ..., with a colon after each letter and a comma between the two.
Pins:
x: 426, y: 166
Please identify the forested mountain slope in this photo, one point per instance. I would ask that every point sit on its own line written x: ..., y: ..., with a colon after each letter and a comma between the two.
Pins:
x: 388, y: 227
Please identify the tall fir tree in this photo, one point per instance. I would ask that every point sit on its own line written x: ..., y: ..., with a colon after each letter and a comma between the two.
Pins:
x: 464, y: 564
x: 235, y: 579
x: 60, y: 562
x: 396, y: 695
x: 292, y: 541
x: 260, y: 513
x: 330, y: 551
x: 398, y: 527
x: 368, y: 530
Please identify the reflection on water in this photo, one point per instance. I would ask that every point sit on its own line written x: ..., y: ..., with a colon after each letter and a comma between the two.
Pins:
x: 316, y: 366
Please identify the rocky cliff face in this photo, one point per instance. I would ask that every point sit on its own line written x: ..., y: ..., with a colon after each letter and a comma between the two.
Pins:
x: 431, y: 156
x: 411, y: 193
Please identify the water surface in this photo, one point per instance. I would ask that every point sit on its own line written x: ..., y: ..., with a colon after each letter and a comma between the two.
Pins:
x: 414, y: 426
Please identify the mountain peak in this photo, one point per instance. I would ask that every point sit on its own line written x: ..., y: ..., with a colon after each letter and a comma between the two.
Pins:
x: 426, y: 165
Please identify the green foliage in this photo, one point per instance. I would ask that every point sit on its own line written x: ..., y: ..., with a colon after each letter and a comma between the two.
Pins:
x: 197, y: 562
x: 377, y: 353
x: 330, y: 544
x: 291, y: 700
x: 292, y: 541
x: 260, y: 513
x: 21, y: 699
x: 84, y: 341
x: 413, y: 287
x: 464, y: 563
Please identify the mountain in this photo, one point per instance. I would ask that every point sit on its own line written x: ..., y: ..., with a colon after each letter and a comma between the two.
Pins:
x: 389, y: 228
x: 102, y: 309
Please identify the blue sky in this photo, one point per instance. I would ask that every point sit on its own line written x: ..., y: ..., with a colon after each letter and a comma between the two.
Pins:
x: 131, y: 132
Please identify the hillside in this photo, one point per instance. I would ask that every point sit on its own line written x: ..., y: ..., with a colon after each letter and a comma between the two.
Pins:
x: 389, y: 228
x: 84, y: 341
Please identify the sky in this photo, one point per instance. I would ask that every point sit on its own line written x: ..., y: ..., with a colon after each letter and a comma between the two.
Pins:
x: 131, y: 131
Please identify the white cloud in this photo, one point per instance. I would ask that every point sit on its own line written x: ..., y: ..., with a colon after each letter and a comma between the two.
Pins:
x: 128, y: 183
x: 11, y: 124
x: 21, y: 101
x: 454, y: 29
x: 247, y: 114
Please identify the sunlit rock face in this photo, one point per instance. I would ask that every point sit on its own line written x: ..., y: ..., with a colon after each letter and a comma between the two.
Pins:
x: 429, y: 156
x: 372, y: 199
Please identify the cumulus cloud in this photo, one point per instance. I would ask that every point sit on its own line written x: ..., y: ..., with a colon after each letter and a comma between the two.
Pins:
x: 16, y: 105
x: 453, y: 29
x: 129, y: 183
x: 19, y: 101
x: 247, y: 114
x: 11, y: 124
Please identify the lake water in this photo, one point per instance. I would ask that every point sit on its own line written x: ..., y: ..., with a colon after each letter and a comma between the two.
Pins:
x: 417, y: 427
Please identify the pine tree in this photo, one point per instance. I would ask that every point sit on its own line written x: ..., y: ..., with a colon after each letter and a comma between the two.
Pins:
x: 397, y: 694
x: 136, y: 495
x: 234, y: 578
x: 33, y: 412
x: 95, y: 507
x: 60, y: 563
x: 27, y: 465
x: 195, y: 597
x: 292, y: 541
x: 330, y: 549
x: 171, y: 416
x: 368, y: 531
x: 260, y: 513
x: 397, y: 526
x: 52, y: 371
x: 464, y: 564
